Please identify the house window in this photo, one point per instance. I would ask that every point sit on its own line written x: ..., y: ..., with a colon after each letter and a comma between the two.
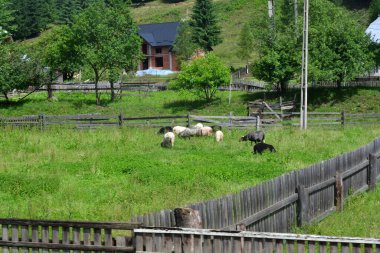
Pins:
x: 145, y: 49
x: 159, y: 61
x: 158, y: 50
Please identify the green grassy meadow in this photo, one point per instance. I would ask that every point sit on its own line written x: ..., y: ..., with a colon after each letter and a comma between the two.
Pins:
x: 351, y: 100
x: 113, y: 174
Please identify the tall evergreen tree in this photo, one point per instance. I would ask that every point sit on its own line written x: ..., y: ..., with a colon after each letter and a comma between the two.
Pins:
x: 7, y: 26
x: 32, y: 16
x: 183, y: 45
x: 246, y: 43
x: 206, y: 32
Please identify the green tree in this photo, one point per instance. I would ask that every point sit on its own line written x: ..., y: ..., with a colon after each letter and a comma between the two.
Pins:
x: 339, y: 48
x: 106, y: 37
x: 203, y: 76
x: 278, y: 47
x: 374, y: 9
x: 17, y: 69
x: 32, y: 16
x: 7, y: 26
x: 206, y: 32
x: 246, y: 43
x: 57, y: 52
x: 184, y: 47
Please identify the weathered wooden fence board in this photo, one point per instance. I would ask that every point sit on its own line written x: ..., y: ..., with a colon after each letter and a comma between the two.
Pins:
x: 22, y: 235
x: 209, y: 241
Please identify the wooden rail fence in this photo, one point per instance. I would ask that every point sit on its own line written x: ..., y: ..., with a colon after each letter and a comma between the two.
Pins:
x: 20, y: 235
x: 265, y: 119
x: 295, y: 198
x: 210, y: 241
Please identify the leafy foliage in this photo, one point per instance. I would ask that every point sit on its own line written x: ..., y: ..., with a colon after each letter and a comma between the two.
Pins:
x: 184, y: 46
x: 246, y: 43
x: 203, y: 76
x: 17, y: 69
x: 106, y: 37
x: 206, y: 32
x: 339, y: 48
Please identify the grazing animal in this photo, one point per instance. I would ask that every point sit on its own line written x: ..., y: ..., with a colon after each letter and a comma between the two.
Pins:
x: 206, y: 131
x: 261, y: 147
x: 190, y: 132
x: 178, y: 129
x: 219, y: 136
x: 168, y: 141
x: 198, y: 125
x: 255, y: 136
x: 165, y: 129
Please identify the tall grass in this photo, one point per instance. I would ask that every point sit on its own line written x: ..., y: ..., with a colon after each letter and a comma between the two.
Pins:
x: 360, y: 218
x: 180, y: 103
x: 113, y: 174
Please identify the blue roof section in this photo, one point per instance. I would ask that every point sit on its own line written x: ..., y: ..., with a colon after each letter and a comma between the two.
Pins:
x: 374, y: 30
x: 162, y: 34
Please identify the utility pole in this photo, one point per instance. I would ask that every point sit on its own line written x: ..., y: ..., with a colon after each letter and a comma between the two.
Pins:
x: 296, y: 16
x: 271, y: 8
x: 303, y: 113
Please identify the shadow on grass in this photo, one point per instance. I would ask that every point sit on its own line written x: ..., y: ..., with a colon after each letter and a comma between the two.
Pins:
x: 190, y: 105
x: 316, y: 96
x: 11, y: 104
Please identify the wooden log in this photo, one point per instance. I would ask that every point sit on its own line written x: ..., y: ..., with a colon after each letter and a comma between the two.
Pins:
x: 187, y: 218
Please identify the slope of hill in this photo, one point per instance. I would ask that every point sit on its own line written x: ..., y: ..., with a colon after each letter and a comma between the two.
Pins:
x: 233, y: 14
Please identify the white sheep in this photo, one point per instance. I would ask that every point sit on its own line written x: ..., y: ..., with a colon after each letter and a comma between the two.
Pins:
x: 206, y: 131
x: 190, y: 132
x: 178, y: 129
x: 198, y: 125
x: 219, y: 136
x: 168, y: 141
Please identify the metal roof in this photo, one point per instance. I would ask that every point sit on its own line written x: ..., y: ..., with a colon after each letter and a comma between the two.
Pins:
x: 161, y: 34
x: 374, y: 30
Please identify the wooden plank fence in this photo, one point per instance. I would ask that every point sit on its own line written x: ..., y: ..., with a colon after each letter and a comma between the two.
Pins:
x: 20, y: 235
x: 265, y: 119
x: 295, y: 198
x: 211, y: 241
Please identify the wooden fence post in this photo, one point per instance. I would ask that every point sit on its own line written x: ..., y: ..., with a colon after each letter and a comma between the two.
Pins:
x: 371, y: 180
x: 230, y: 118
x: 188, y: 119
x: 121, y: 120
x: 257, y: 122
x: 343, y: 118
x: 41, y: 120
x: 303, y: 205
x: 338, y: 191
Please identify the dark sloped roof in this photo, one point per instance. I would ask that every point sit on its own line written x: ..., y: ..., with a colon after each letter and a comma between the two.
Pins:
x: 162, y: 34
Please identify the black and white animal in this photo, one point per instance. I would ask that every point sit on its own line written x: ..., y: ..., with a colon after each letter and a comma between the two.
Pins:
x: 261, y: 147
x: 165, y: 129
x: 168, y: 141
x: 255, y: 136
